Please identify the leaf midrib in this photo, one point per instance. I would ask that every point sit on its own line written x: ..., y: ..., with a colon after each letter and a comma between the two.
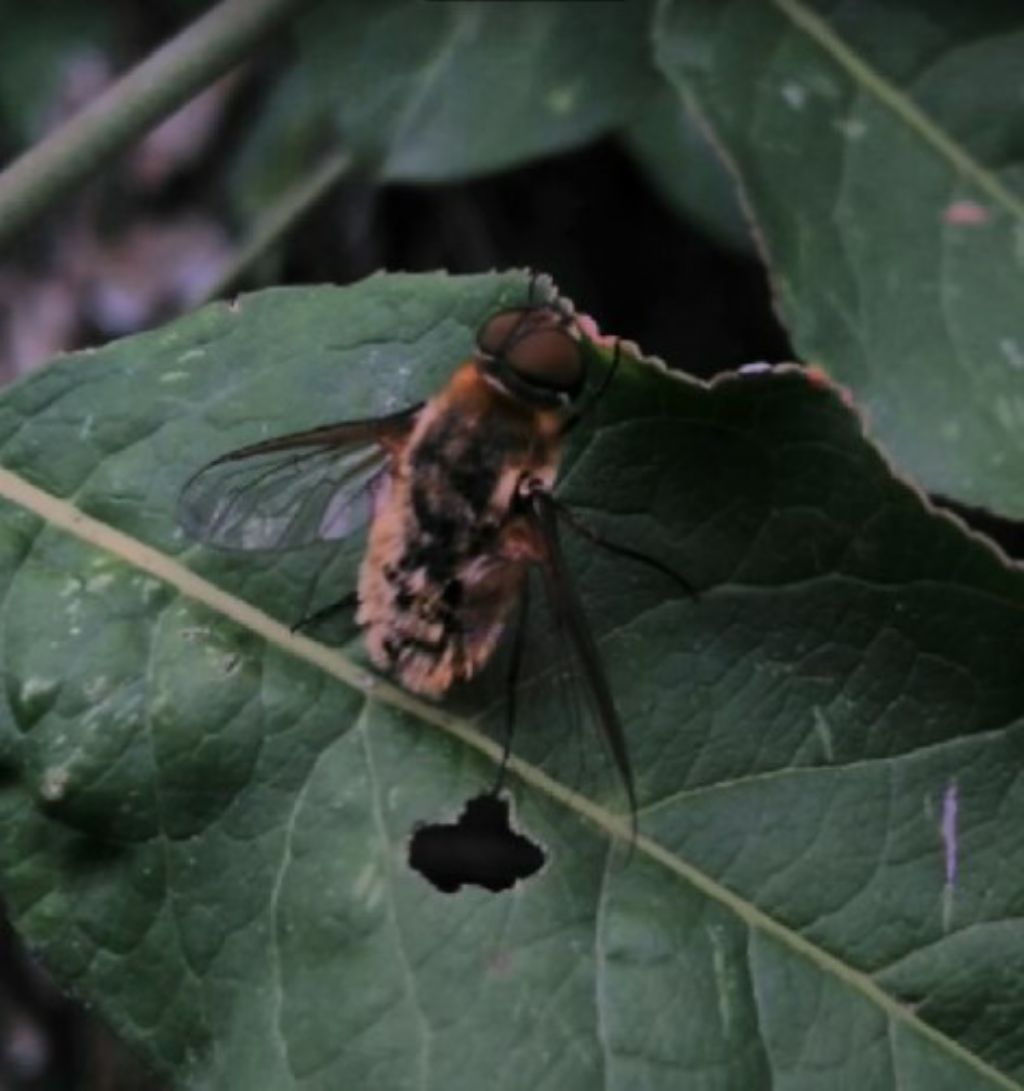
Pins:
x: 65, y: 517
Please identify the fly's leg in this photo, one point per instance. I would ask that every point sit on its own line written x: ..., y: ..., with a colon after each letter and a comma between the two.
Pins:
x: 332, y: 609
x: 570, y: 423
x: 571, y: 519
x: 570, y: 617
x: 515, y: 664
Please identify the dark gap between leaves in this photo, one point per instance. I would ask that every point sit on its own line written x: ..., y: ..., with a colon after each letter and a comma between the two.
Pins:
x: 1008, y: 534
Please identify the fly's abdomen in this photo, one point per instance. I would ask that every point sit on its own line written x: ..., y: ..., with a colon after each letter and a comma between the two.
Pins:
x: 432, y: 629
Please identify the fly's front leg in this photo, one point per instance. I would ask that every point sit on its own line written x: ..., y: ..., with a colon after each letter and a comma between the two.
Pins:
x: 577, y: 415
x: 572, y: 520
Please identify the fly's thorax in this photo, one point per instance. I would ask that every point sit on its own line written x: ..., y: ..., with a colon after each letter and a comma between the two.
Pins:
x: 475, y: 442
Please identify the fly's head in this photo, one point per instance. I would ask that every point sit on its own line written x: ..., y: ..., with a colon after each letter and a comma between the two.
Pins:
x: 534, y: 355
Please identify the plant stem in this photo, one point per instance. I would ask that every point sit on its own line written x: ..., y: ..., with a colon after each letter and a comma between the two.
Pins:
x: 290, y: 207
x: 123, y: 113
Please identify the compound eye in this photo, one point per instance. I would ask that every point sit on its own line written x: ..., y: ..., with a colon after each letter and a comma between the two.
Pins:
x: 548, y: 357
x: 497, y: 332
x: 537, y: 345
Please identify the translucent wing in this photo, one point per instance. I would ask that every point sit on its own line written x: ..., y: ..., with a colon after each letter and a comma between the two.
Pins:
x: 294, y: 490
x: 580, y: 674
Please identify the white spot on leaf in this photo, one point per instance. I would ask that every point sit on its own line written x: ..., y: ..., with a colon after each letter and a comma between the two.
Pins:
x: 36, y: 687
x: 95, y: 584
x: 851, y: 127
x: 823, y: 730
x: 150, y: 588
x: 794, y: 95
x: 54, y: 783
x: 1013, y: 353
x: 561, y: 101
x: 1009, y: 411
x: 723, y: 979
x: 71, y: 586
x: 96, y: 687
x: 368, y: 886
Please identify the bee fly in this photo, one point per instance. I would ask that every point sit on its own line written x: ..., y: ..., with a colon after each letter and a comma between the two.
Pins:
x: 457, y: 492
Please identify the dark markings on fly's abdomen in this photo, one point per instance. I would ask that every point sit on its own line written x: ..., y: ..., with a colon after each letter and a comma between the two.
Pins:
x: 399, y: 644
x: 396, y: 645
x: 455, y: 472
x: 437, y: 556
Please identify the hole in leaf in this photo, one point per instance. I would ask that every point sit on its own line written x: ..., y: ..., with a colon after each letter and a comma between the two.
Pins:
x: 480, y: 848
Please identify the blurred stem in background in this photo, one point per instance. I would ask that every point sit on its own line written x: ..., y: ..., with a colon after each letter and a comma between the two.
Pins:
x: 111, y: 122
x: 278, y: 220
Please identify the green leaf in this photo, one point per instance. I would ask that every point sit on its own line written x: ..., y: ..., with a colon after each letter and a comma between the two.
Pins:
x: 879, y: 148
x: 204, y: 818
x: 437, y: 92
x: 286, y: 140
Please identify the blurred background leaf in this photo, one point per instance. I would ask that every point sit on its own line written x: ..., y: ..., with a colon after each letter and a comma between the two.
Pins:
x: 440, y: 92
x: 428, y: 94
x: 881, y: 150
